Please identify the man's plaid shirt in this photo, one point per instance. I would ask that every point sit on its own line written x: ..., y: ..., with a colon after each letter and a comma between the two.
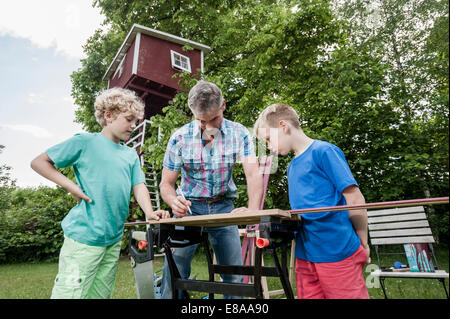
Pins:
x: 207, y: 170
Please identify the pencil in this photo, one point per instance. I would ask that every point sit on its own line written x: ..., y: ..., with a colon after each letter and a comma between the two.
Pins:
x: 182, y: 194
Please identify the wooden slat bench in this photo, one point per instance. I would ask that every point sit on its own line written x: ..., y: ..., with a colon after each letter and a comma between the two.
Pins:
x: 398, y: 226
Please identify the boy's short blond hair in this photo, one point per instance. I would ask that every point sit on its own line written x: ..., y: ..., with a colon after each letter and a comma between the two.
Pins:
x: 117, y: 100
x: 275, y: 113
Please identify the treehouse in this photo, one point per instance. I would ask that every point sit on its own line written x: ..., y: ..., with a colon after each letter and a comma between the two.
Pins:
x: 146, y: 63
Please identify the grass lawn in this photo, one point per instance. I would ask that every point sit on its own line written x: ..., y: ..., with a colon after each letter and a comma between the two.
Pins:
x: 35, y: 280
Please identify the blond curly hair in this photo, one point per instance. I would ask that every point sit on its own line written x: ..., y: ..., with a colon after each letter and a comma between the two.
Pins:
x: 117, y: 100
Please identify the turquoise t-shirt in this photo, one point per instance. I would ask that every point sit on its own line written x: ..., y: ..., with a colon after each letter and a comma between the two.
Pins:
x: 106, y: 172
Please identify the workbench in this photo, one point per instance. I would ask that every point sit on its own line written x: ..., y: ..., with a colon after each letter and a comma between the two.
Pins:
x: 275, y: 225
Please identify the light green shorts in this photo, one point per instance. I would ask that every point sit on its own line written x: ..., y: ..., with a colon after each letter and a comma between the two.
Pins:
x: 86, y: 271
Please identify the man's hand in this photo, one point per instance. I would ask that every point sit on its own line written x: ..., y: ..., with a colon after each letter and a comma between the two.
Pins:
x: 240, y: 210
x: 180, y: 206
x: 157, y: 215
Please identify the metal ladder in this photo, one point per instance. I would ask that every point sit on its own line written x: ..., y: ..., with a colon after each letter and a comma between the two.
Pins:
x: 151, y: 178
x: 146, y: 281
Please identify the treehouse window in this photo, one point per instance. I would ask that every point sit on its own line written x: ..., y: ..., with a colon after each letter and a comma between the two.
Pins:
x: 180, y: 61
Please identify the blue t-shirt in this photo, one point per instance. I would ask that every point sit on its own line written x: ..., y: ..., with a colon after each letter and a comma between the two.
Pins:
x: 106, y: 172
x: 317, y: 178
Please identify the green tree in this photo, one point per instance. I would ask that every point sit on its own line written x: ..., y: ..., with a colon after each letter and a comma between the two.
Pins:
x: 264, y: 52
x: 411, y: 38
x: 7, y: 184
x: 304, y: 53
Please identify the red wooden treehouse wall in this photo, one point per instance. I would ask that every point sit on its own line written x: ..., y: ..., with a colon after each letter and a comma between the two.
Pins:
x: 147, y: 61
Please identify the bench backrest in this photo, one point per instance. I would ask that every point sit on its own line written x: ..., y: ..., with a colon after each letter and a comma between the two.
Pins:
x: 399, y: 226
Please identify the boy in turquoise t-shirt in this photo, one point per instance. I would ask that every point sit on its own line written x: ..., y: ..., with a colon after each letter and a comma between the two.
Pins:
x: 107, y: 172
x: 331, y: 247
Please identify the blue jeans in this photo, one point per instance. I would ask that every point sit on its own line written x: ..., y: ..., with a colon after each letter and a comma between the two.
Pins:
x: 225, y: 242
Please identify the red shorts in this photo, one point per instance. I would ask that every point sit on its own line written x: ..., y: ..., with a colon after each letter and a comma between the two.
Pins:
x: 337, y: 280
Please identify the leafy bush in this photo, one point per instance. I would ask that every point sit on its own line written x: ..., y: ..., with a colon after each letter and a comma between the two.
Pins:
x: 30, y: 228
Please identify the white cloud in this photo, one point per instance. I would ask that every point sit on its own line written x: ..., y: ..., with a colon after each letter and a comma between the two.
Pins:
x: 36, y: 98
x: 61, y: 23
x: 34, y: 130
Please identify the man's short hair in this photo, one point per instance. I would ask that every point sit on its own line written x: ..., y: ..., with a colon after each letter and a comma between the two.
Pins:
x: 117, y: 100
x: 205, y: 97
x: 275, y: 113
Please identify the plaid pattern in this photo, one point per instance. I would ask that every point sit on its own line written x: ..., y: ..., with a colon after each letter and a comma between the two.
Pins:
x: 207, y: 170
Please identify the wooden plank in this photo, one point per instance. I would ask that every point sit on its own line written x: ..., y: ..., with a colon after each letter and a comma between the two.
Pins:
x: 400, y: 232
x: 418, y: 223
x: 396, y: 211
x: 252, y: 217
x: 402, y: 240
x: 396, y: 218
x: 243, y: 218
x: 407, y: 274
x: 392, y: 204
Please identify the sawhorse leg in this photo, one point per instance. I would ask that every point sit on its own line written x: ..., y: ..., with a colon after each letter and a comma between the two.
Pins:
x: 174, y: 273
x: 250, y: 290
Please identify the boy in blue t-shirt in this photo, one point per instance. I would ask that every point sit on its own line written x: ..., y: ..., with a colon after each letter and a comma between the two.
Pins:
x: 107, y: 172
x: 331, y: 247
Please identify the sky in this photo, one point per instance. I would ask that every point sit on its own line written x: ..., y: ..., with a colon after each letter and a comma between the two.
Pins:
x: 40, y: 47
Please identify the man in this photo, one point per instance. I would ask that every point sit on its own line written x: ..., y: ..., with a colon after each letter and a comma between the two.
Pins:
x: 205, y: 151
